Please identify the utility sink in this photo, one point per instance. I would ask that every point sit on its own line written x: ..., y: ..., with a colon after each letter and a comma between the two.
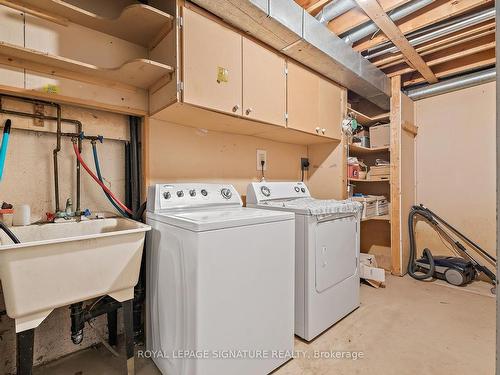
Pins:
x: 62, y: 263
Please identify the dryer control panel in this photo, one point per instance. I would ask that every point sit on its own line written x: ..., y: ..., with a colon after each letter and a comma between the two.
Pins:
x: 163, y: 197
x: 262, y: 191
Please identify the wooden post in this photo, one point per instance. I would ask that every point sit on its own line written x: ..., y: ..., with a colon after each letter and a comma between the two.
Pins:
x: 395, y: 175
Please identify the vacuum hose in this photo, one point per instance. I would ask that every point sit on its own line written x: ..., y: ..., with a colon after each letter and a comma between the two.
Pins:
x: 9, y: 233
x: 412, y: 267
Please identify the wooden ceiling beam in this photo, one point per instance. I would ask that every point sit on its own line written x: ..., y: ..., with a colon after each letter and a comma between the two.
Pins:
x: 373, y: 10
x: 356, y: 16
x: 440, y: 11
x: 460, y: 65
x: 447, y: 55
x: 438, y: 45
x: 317, y: 6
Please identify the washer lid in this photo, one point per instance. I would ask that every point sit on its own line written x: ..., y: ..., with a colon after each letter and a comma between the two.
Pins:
x: 220, y: 218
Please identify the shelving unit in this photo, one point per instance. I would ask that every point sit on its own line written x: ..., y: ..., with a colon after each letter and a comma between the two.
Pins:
x: 381, y: 218
x: 359, y: 150
x: 140, y: 73
x: 366, y: 120
x: 137, y: 23
x: 368, y: 180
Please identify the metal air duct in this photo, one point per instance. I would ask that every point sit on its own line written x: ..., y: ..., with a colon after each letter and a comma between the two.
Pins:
x: 395, y: 15
x: 334, y: 9
x: 453, y: 84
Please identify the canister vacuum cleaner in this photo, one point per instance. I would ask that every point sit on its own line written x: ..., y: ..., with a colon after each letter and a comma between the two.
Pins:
x: 455, y: 270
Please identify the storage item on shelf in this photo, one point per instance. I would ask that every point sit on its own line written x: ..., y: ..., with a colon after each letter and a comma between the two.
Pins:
x: 353, y: 167
x: 363, y: 170
x: 362, y: 138
x: 379, y: 172
x: 369, y: 205
x: 22, y: 215
x: 380, y: 162
x: 380, y: 136
x: 382, y: 205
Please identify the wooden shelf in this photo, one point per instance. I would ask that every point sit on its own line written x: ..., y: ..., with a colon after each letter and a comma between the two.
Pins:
x: 137, y: 23
x: 365, y: 150
x: 137, y: 73
x: 367, y: 180
x: 379, y: 218
x: 367, y: 120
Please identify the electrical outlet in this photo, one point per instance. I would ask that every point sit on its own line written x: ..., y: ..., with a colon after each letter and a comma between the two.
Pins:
x: 261, y: 156
x: 304, y: 164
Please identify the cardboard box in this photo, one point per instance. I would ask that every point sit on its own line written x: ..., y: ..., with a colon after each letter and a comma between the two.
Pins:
x: 380, y: 136
x: 368, y: 270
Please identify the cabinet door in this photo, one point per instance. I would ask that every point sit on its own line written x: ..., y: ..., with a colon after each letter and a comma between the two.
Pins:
x: 330, y: 111
x: 264, y: 84
x: 303, y: 99
x: 212, y: 64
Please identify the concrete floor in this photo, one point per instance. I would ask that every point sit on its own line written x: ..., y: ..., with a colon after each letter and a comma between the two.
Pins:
x: 407, y: 327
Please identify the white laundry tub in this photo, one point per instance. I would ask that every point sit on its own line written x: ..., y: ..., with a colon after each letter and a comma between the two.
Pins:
x: 59, y: 264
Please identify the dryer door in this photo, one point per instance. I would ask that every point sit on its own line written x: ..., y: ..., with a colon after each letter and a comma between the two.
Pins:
x: 336, y: 251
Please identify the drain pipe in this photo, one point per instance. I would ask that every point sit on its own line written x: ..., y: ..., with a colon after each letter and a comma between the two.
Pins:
x: 334, y: 9
x: 446, y: 29
x: 453, y: 84
x: 397, y: 14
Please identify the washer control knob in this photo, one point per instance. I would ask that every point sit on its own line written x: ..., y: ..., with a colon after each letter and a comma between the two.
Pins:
x: 192, y: 192
x: 303, y: 190
x: 265, y: 191
x: 204, y: 192
x: 167, y: 195
x: 226, y: 193
x: 180, y: 193
x: 297, y: 189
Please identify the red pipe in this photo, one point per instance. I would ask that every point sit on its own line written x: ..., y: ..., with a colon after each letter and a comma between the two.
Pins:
x: 104, y: 187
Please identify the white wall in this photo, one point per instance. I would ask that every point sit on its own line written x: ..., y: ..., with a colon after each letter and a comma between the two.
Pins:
x: 456, y: 167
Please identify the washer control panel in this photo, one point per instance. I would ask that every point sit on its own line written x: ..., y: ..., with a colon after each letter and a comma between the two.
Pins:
x: 182, y: 195
x: 261, y: 191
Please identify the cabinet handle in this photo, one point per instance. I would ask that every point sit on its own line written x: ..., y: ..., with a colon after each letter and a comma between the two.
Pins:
x: 248, y: 111
x: 317, y: 130
x: 323, y: 131
x: 236, y: 107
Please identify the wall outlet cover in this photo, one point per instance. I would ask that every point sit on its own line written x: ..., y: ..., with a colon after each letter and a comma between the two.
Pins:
x: 261, y: 155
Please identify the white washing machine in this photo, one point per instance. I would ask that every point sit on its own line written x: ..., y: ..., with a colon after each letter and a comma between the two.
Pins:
x: 326, y: 252
x: 220, y: 282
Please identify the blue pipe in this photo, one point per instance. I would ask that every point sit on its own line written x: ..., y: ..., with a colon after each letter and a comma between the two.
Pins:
x: 98, y: 170
x: 5, y: 143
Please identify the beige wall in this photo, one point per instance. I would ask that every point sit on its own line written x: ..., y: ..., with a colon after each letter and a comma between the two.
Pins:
x: 28, y: 178
x: 456, y: 164
x: 179, y: 153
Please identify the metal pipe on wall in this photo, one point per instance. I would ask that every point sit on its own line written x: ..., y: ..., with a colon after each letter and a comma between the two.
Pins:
x: 453, y: 84
x: 334, y: 9
x: 395, y: 15
x: 448, y: 28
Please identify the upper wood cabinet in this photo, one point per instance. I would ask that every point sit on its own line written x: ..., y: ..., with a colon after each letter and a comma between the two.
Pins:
x: 264, y: 84
x: 303, y: 98
x: 314, y: 103
x: 330, y: 109
x: 212, y: 64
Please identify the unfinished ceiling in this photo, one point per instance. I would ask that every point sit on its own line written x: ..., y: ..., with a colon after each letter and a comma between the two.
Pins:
x: 421, y: 40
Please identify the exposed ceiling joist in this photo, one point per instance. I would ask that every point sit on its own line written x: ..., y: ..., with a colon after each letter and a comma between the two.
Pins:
x: 460, y: 65
x: 450, y: 54
x: 356, y: 16
x: 373, y: 10
x: 462, y: 36
x: 440, y: 11
x: 317, y: 6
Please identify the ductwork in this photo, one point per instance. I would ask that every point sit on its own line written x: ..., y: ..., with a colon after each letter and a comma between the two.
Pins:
x: 449, y: 28
x: 453, y: 84
x: 285, y: 26
x: 395, y: 15
x: 334, y: 9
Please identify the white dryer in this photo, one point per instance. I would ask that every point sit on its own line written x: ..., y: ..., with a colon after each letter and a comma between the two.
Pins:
x: 326, y: 252
x: 220, y: 282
